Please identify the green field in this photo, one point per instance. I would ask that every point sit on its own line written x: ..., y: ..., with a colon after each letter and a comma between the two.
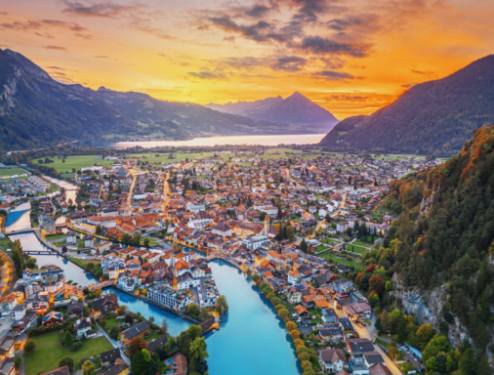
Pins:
x: 49, y: 351
x: 348, y: 261
x: 83, y: 263
x: 11, y: 171
x: 174, y: 157
x: 74, y: 162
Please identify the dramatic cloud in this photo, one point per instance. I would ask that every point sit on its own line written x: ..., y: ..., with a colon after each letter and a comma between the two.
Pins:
x: 320, y: 45
x: 96, y: 9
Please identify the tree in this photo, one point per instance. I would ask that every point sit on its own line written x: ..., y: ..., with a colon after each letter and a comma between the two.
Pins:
x: 423, y: 335
x: 18, y: 258
x: 198, y: 354
x: 30, y: 346
x: 88, y: 367
x: 221, y: 305
x: 376, y: 284
x: 143, y: 363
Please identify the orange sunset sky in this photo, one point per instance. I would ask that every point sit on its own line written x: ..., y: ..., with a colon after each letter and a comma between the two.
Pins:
x: 350, y: 56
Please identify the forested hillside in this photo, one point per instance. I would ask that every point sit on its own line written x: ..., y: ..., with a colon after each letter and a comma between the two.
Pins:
x: 442, y: 245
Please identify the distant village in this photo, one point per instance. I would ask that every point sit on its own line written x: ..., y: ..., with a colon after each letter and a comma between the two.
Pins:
x: 297, y: 222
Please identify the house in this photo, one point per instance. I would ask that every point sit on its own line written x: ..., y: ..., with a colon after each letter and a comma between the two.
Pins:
x: 329, y: 316
x: 109, y: 357
x: 379, y: 369
x: 53, y: 317
x: 7, y: 367
x: 119, y: 368
x: 75, y: 309
x: 103, y: 305
x: 177, y: 365
x: 359, y: 346
x: 332, y: 360
x: 331, y: 333
x: 7, y: 349
x: 133, y: 332
x: 82, y: 327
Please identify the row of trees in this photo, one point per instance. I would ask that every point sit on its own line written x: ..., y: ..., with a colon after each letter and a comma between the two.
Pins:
x: 306, y: 356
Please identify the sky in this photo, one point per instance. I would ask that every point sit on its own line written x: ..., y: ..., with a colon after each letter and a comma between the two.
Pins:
x: 349, y: 56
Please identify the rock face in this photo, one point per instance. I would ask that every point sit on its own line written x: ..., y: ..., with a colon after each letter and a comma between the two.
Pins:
x: 432, y: 118
x: 37, y: 111
x: 293, y: 110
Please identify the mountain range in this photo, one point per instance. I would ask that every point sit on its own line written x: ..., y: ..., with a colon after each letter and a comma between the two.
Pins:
x: 38, y: 111
x: 295, y: 109
x: 433, y: 118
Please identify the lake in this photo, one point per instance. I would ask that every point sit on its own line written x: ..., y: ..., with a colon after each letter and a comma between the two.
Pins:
x: 233, y: 140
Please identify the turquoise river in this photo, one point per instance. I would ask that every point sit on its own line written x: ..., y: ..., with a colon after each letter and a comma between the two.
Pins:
x: 251, y: 341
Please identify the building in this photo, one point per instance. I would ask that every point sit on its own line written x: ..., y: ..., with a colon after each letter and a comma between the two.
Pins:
x: 164, y: 295
x: 332, y: 360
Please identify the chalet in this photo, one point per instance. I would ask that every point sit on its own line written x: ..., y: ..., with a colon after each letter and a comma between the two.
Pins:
x: 103, y: 305
x: 177, y: 365
x: 332, y: 360
x: 133, y: 332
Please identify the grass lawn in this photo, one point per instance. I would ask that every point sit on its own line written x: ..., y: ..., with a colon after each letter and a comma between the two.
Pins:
x: 73, y: 162
x: 344, y: 261
x: 49, y: 352
x: 12, y: 171
x: 174, y: 157
x: 83, y: 262
x: 55, y: 237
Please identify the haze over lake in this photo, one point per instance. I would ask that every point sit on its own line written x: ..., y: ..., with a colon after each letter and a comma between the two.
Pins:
x: 243, y: 140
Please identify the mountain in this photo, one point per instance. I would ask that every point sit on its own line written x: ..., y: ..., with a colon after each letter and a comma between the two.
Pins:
x: 295, y: 110
x: 38, y: 111
x: 434, y: 117
x: 442, y: 245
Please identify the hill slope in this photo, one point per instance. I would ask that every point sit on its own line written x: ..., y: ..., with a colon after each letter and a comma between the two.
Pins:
x: 444, y: 241
x: 435, y: 117
x: 293, y: 110
x: 37, y: 111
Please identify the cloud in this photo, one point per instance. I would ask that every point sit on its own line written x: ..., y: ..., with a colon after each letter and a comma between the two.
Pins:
x: 55, y: 48
x: 103, y: 9
x: 333, y: 75
x: 145, y: 27
x: 289, y: 63
x: 321, y: 45
x: 422, y: 72
x: 39, y: 26
x: 367, y: 22
x: 260, y: 31
x: 208, y: 74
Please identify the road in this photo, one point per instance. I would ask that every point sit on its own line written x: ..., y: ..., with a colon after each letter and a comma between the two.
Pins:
x: 364, y: 333
x: 115, y: 344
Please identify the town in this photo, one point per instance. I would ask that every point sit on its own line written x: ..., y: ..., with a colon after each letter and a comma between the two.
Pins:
x: 152, y: 226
